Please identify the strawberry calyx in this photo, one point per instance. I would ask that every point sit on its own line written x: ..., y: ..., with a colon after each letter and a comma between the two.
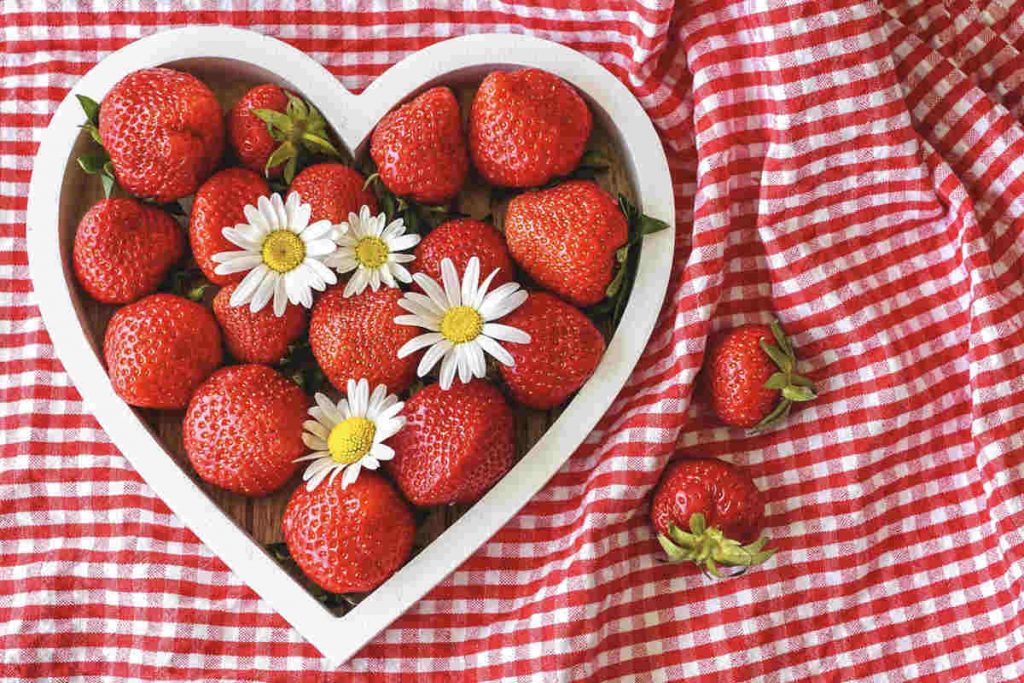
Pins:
x: 418, y: 218
x: 97, y: 163
x: 628, y: 259
x: 794, y: 388
x: 710, y: 549
x: 300, y: 128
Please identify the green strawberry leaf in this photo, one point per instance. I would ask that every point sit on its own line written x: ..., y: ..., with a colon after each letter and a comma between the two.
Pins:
x: 278, y: 123
x: 777, y: 381
x: 91, y: 108
x: 317, y: 144
x: 649, y: 226
x: 797, y: 393
x: 93, y: 163
x: 108, y: 183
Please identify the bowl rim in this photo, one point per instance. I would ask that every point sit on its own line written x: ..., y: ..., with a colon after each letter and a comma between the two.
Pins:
x: 353, y: 117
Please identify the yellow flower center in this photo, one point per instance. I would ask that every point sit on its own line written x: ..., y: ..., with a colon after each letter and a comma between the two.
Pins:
x: 351, y: 439
x: 461, y: 324
x: 283, y: 250
x: 371, y: 252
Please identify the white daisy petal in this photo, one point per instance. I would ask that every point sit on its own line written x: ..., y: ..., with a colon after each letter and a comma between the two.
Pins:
x: 374, y: 278
x: 462, y: 360
x: 470, y: 279
x: 386, y: 277
x: 319, y: 475
x: 317, y: 230
x: 481, y: 291
x: 417, y: 321
x: 317, y: 430
x: 247, y: 287
x: 329, y: 409
x: 382, y: 452
x: 391, y: 411
x: 239, y: 264
x: 404, y: 242
x: 448, y: 367
x: 264, y: 292
x: 242, y: 238
x: 322, y: 271
x: 351, y: 473
x: 478, y: 360
x: 320, y: 247
x: 316, y: 467
x: 433, y: 354
x: 312, y: 441
x: 254, y: 217
x: 506, y: 333
x: 369, y: 462
x: 496, y: 350
x: 452, y: 287
x: 335, y: 471
x: 432, y: 290
x: 421, y: 305
x: 400, y: 272
x: 387, y: 429
x: 492, y: 309
x: 316, y: 455
x: 395, y: 228
x: 279, y: 211
x: 401, y: 258
x: 420, y: 342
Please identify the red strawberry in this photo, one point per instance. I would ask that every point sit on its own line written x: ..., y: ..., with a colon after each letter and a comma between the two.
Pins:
x: 703, y: 510
x: 349, y: 539
x: 563, y: 352
x: 527, y: 127
x: 220, y: 204
x: 357, y: 337
x: 455, y: 445
x: 419, y: 148
x: 243, y: 429
x: 164, y: 132
x: 123, y: 249
x: 270, y: 122
x: 248, y: 134
x: 751, y: 376
x: 159, y: 349
x: 257, y: 337
x: 333, y: 191
x: 566, y: 237
x: 460, y: 240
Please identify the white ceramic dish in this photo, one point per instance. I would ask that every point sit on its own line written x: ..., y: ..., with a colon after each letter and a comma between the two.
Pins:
x: 51, y: 216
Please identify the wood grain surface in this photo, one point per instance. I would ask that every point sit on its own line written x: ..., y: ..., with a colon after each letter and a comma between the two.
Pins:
x: 261, y: 518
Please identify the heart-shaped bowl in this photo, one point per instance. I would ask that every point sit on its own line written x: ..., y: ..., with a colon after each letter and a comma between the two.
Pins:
x: 58, y: 198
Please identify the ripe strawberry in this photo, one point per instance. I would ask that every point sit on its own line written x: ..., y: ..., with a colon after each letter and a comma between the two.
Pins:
x: 123, y: 249
x: 566, y: 237
x: 220, y: 204
x: 333, y: 191
x: 563, y: 352
x: 164, y: 132
x: 455, y: 445
x: 357, y: 337
x: 270, y: 125
x: 751, y: 376
x: 248, y: 134
x: 527, y: 127
x: 243, y: 429
x: 419, y: 148
x: 349, y: 539
x: 704, y: 509
x: 159, y: 349
x: 460, y: 240
x: 257, y: 337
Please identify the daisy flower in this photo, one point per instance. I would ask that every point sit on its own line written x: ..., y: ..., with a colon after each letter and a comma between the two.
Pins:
x: 349, y: 435
x: 460, y: 319
x: 283, y: 253
x: 370, y: 246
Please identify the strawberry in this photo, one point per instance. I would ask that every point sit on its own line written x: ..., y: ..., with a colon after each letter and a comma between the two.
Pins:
x: 357, y: 337
x: 260, y: 337
x: 123, y: 249
x: 419, y: 148
x: 566, y: 237
x: 159, y: 349
x: 349, y: 539
x: 220, y: 204
x: 527, y: 127
x: 455, y: 445
x: 333, y: 191
x: 460, y: 240
x: 269, y: 127
x: 164, y: 132
x: 563, y: 352
x: 704, y: 510
x: 243, y: 429
x: 751, y: 377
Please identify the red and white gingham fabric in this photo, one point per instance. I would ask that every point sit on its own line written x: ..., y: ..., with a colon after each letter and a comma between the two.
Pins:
x: 855, y: 168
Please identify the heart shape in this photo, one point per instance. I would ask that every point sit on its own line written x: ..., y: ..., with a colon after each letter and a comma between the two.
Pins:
x: 53, y: 209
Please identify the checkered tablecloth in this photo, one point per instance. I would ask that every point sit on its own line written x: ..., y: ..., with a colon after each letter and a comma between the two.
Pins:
x: 855, y: 168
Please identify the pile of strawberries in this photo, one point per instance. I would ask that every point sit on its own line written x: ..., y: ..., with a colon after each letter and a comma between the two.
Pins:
x: 172, y: 345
